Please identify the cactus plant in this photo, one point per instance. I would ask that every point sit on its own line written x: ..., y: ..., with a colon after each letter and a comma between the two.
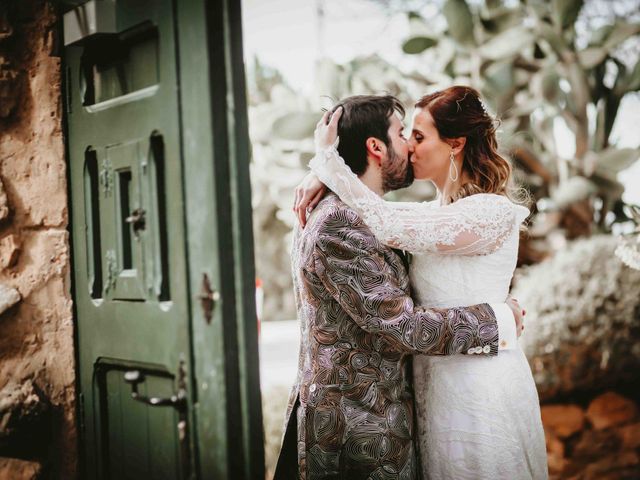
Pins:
x: 527, y: 60
x: 535, y: 70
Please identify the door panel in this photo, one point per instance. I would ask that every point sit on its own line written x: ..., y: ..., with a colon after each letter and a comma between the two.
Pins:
x: 130, y: 261
x: 131, y: 429
x: 162, y: 245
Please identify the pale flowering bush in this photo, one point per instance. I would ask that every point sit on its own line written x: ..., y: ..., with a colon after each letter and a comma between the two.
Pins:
x: 583, y: 318
x: 629, y: 252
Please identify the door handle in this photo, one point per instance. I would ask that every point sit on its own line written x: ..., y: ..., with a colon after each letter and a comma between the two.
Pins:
x: 137, y: 220
x: 178, y: 400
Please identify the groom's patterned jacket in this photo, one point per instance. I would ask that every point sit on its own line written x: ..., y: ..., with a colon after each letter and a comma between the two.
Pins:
x: 350, y: 412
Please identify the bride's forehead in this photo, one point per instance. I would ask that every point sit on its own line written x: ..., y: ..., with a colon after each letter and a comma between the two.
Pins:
x: 421, y: 118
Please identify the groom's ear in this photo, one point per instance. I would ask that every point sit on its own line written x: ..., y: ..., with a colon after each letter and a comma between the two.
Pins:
x: 376, y: 149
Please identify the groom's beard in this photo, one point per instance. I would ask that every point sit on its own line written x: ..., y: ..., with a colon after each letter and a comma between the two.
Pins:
x: 396, y: 172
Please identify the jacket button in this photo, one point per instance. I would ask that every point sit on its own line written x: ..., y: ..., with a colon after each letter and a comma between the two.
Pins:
x: 312, y: 388
x: 471, y: 351
x: 486, y: 349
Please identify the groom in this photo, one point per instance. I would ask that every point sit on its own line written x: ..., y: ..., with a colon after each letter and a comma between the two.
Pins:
x: 350, y: 412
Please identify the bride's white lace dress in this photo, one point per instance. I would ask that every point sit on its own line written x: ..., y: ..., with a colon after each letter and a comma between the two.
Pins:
x: 478, y: 417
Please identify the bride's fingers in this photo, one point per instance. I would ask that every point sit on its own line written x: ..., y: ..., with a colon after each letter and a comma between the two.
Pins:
x: 300, y: 206
x: 308, y: 201
x: 305, y: 199
x: 333, y: 124
x: 324, y: 119
x: 316, y: 199
x: 302, y: 213
x: 296, y: 200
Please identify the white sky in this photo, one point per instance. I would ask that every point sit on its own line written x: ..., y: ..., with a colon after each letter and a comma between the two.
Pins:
x: 284, y: 34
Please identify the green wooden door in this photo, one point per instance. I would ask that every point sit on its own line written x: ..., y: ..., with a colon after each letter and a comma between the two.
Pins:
x: 162, y: 245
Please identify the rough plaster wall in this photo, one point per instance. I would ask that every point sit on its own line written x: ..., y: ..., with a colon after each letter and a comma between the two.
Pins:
x: 36, y: 335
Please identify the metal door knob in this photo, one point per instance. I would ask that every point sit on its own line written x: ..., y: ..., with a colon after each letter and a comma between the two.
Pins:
x: 137, y: 219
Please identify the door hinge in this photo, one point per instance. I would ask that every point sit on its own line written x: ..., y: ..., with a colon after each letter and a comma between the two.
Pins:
x: 208, y: 298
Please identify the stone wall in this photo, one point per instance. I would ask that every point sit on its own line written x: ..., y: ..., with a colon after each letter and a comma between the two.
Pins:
x: 597, y: 439
x: 37, y: 397
x: 582, y: 339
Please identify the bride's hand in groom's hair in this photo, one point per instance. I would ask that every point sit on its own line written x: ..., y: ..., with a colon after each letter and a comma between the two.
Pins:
x: 326, y: 132
x: 307, y: 195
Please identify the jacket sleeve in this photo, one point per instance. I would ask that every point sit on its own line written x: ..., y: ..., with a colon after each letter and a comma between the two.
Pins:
x: 353, y: 269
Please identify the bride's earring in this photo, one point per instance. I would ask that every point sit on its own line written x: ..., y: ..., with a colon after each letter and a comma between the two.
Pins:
x: 455, y: 169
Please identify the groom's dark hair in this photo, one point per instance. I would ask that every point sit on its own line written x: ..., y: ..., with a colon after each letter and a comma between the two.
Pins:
x: 364, y: 116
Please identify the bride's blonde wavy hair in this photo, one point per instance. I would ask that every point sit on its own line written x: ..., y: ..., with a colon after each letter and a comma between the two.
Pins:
x: 458, y: 112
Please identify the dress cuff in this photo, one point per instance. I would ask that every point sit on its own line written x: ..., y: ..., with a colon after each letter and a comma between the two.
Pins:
x: 507, y: 335
x: 322, y: 155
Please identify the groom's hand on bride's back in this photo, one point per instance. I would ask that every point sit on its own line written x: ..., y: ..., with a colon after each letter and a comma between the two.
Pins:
x: 518, y: 313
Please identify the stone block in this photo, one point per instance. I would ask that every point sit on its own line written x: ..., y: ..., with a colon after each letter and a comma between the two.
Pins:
x: 9, y: 251
x: 606, y: 467
x: 8, y: 297
x: 594, y: 445
x: 629, y: 436
x: 14, y: 468
x: 25, y: 420
x: 611, y: 409
x: 562, y: 420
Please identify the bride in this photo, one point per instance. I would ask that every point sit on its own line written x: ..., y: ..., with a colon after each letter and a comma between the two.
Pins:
x: 477, y: 418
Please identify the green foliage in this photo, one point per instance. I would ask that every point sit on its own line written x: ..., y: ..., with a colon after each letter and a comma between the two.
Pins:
x: 565, y: 12
x: 533, y: 71
x: 421, y: 37
x: 525, y: 60
x: 460, y: 21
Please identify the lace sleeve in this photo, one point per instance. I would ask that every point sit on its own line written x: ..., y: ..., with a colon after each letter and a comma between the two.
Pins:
x: 475, y: 225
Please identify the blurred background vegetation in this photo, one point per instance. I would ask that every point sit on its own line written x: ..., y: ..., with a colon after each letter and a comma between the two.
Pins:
x: 558, y: 75
x: 553, y: 72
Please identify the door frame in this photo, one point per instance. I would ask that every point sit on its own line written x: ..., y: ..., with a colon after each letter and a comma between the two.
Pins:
x: 226, y: 187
